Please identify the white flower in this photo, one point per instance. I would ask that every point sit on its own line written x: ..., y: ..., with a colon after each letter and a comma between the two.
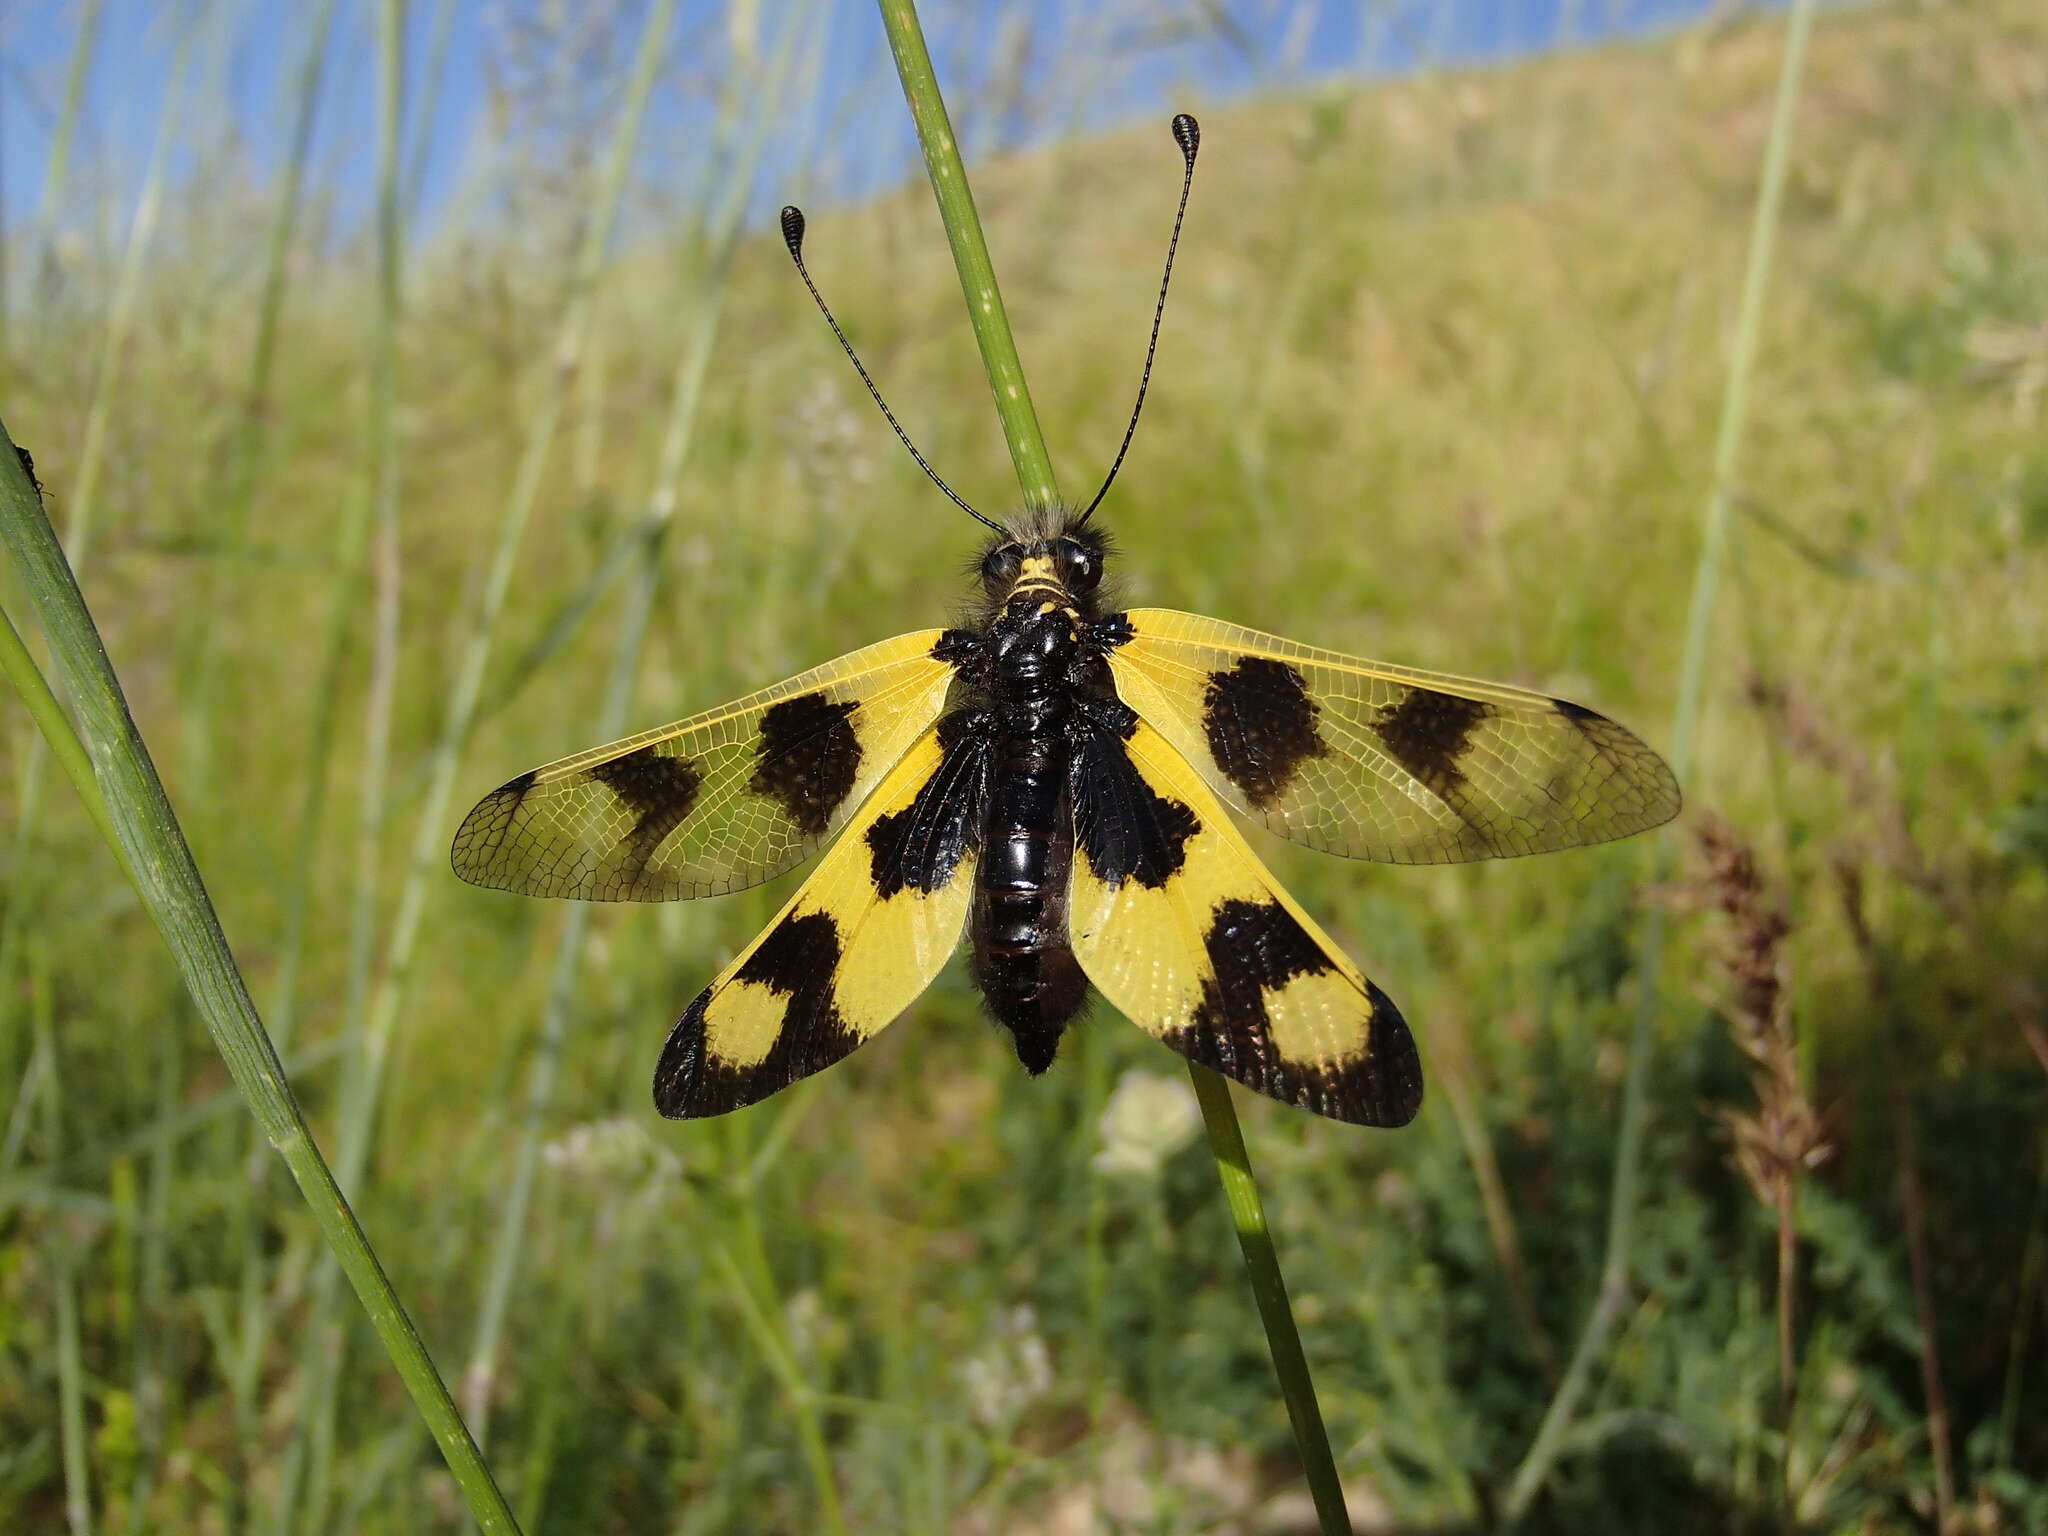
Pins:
x: 805, y: 1324
x: 1148, y: 1118
x: 1010, y: 1374
x: 618, y: 1148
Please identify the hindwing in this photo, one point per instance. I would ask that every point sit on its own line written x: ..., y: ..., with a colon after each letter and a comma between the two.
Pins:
x: 1183, y: 930
x: 1381, y: 762
x: 714, y: 803
x: 862, y: 937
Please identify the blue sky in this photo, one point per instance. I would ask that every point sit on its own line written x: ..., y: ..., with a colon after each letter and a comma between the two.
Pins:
x: 1091, y: 64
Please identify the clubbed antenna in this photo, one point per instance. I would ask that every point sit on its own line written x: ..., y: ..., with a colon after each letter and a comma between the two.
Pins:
x: 1187, y: 133
x: 793, y: 237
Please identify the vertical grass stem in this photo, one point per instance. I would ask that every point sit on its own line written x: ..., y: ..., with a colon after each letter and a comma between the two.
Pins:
x: 686, y: 396
x: 970, y: 254
x: 1614, y: 1268
x: 57, y: 167
x: 1269, y: 1288
x: 116, y: 335
x: 1034, y: 473
x: 381, y: 467
x: 252, y: 430
x: 364, y: 1084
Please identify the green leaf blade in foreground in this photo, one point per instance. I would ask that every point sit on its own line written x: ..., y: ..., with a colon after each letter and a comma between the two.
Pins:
x: 172, y: 892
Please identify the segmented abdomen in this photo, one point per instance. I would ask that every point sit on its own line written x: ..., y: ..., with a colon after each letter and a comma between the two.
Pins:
x: 1022, y: 962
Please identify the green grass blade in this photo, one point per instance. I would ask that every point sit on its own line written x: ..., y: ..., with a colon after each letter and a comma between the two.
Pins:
x: 1269, y: 1289
x: 251, y: 435
x: 64, y: 1256
x: 55, y: 726
x: 115, y: 340
x: 153, y: 1378
x: 970, y: 254
x: 431, y: 833
x: 364, y: 1086
x: 426, y: 117
x: 315, y: 1443
x: 71, y: 1402
x: 774, y: 1349
x: 57, y: 167
x: 646, y: 542
x: 116, y: 337
x: 175, y: 897
x: 1721, y: 496
x: 253, y: 429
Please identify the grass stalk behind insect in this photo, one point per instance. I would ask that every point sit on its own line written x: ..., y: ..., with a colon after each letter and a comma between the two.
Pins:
x: 311, y: 1455
x: 364, y: 1084
x: 648, y: 539
x: 248, y: 433
x: 57, y: 164
x: 115, y: 337
x: 71, y: 1430
x: 251, y: 440
x: 1035, y: 477
x: 1615, y: 1274
x: 985, y: 311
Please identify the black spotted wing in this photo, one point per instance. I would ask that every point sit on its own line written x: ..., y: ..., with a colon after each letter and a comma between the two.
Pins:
x: 717, y: 802
x: 862, y: 937
x: 1373, y: 761
x: 1178, y: 924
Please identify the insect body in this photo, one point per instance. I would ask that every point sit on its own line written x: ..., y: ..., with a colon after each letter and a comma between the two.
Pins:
x: 1053, y: 780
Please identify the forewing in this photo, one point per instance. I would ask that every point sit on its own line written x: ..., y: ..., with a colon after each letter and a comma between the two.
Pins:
x: 1183, y: 930
x: 855, y: 946
x: 1380, y: 762
x: 714, y: 803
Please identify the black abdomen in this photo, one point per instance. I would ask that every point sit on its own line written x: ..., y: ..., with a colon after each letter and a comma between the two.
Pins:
x: 1022, y: 961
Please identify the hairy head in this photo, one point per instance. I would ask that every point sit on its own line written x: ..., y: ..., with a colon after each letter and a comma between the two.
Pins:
x: 1044, y: 553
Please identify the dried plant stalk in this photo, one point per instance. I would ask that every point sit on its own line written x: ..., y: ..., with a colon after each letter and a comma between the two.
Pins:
x: 1783, y: 1137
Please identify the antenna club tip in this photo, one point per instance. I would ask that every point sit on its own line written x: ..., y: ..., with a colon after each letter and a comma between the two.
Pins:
x: 793, y: 229
x: 1187, y: 133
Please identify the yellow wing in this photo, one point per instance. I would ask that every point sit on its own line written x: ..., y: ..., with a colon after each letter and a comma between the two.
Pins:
x: 1180, y: 926
x: 1380, y: 762
x: 855, y: 946
x: 714, y: 803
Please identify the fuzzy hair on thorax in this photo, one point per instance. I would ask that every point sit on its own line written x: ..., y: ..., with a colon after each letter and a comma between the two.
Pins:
x: 1034, y: 532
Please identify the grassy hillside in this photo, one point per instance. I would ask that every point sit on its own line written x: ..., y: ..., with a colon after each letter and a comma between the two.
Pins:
x: 1440, y: 384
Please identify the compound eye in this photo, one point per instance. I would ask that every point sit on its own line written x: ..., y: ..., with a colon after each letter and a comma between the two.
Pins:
x: 1001, y: 566
x: 1079, y: 568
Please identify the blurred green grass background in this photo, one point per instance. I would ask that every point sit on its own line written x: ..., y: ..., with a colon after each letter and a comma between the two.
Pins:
x: 1439, y: 384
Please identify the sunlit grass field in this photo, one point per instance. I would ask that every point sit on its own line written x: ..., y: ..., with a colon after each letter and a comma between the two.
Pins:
x: 1440, y: 384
